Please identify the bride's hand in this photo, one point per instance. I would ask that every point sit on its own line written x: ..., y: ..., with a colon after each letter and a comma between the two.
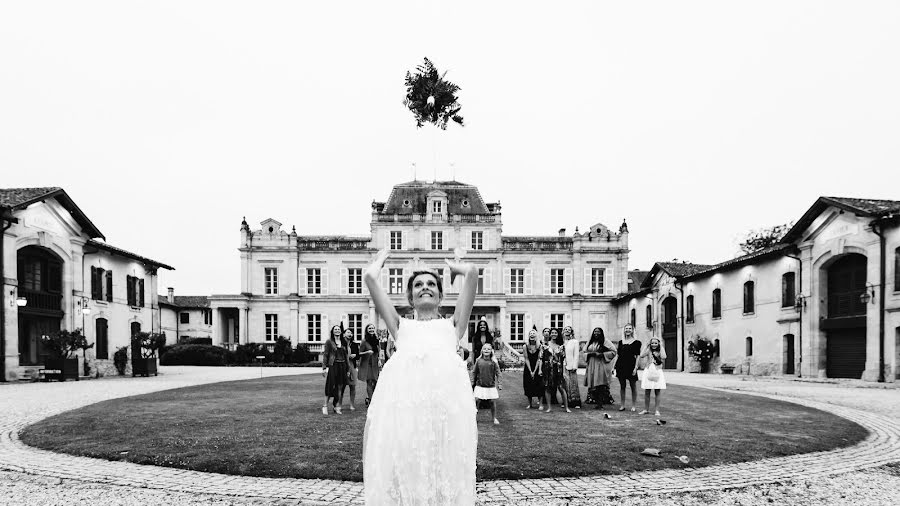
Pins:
x: 374, y: 269
x: 458, y: 268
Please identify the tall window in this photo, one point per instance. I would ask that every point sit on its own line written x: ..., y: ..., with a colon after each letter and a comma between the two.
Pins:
x: 557, y: 320
x: 102, y: 338
x: 97, y: 278
x: 597, y: 281
x: 689, y: 313
x: 396, y: 239
x: 395, y: 280
x: 314, y: 327
x: 271, y: 327
x: 185, y: 317
x: 437, y: 240
x: 354, y: 281
x: 517, y: 281
x: 897, y: 270
x: 717, y: 303
x: 437, y: 207
x: 271, y: 281
x: 314, y: 281
x: 788, y: 290
x: 207, y: 316
x: 557, y: 281
x: 749, y: 298
x: 109, y: 286
x: 355, y: 323
x: 135, y: 289
x: 649, y: 316
x: 749, y: 347
x: 477, y: 239
x: 480, y: 280
x: 633, y: 318
x: 517, y: 327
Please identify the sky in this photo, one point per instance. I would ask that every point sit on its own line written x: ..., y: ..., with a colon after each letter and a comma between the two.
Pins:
x: 167, y: 122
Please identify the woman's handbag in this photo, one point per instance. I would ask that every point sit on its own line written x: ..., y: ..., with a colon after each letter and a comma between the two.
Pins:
x: 652, y: 373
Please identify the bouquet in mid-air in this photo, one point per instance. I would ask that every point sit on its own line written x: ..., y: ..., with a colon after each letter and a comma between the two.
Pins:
x: 431, y: 98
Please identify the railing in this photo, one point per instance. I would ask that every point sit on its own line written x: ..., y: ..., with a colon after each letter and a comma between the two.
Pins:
x: 315, y: 347
x: 537, y: 245
x: 42, y: 300
x: 435, y: 218
x: 846, y: 304
x: 334, y: 245
x: 517, y: 346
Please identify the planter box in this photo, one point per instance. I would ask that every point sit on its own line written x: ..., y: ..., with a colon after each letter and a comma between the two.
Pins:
x: 727, y: 370
x: 61, y: 369
x: 143, y: 366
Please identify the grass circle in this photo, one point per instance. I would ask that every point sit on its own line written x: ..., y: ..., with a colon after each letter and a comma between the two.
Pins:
x: 274, y: 427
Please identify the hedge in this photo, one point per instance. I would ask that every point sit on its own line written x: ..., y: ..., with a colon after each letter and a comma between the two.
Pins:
x: 194, y: 354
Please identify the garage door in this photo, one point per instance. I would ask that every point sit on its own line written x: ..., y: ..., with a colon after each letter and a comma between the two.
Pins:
x: 846, y: 353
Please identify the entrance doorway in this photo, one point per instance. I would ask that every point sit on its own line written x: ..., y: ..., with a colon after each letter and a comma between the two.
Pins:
x: 670, y: 331
x: 135, y: 345
x: 788, y: 354
x: 845, y: 327
x: 31, y: 328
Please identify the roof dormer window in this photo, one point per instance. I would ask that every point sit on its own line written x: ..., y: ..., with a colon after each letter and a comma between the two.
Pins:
x: 407, y: 203
x: 465, y: 203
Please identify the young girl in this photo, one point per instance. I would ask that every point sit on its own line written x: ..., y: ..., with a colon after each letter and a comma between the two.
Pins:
x: 487, y: 379
x: 421, y: 438
x: 652, y: 379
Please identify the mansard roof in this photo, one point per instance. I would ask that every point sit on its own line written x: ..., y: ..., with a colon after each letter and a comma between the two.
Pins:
x: 128, y: 254
x: 636, y: 279
x: 872, y: 208
x: 416, y: 192
x: 20, y: 198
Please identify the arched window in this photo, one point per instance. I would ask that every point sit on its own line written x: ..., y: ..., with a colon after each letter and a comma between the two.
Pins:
x: 101, y: 334
x: 749, y: 347
x: 749, y: 298
x: 788, y: 290
x: 717, y: 303
x: 689, y: 313
x: 633, y: 318
x: 649, y: 316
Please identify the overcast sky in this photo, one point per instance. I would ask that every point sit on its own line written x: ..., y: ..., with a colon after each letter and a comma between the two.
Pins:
x: 167, y: 122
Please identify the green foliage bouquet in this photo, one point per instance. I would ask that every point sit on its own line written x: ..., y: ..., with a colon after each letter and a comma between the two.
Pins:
x: 431, y: 98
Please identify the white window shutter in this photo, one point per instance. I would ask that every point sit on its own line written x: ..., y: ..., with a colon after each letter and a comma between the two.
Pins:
x: 365, y: 287
x: 567, y: 281
x: 488, y: 287
x: 528, y: 325
x: 387, y: 239
x: 302, y: 283
x: 529, y: 274
x: 608, y: 288
x: 385, y: 283
x: 345, y: 281
x: 546, y: 322
x: 304, y: 328
x: 546, y: 281
x: 567, y: 320
x: 588, y: 285
x: 326, y: 328
x: 345, y: 321
x: 324, y: 278
x: 507, y: 280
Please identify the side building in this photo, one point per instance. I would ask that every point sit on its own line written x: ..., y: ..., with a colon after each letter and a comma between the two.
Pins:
x: 58, y: 273
x: 823, y: 302
x: 299, y: 286
x: 184, y: 316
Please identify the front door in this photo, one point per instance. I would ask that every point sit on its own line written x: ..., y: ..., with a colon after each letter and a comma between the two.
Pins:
x: 670, y: 331
x: 788, y: 354
x: 31, y: 328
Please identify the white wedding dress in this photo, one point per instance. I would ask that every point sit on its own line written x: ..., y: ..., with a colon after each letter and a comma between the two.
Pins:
x: 421, y: 438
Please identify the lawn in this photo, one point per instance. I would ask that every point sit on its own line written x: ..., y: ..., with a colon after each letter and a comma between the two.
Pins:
x: 274, y: 427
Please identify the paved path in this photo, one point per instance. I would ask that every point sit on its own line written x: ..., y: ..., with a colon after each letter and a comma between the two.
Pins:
x: 877, y: 409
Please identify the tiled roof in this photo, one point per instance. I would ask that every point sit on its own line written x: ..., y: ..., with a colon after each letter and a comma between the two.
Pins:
x: 681, y: 269
x: 128, y: 254
x: 416, y: 192
x: 636, y: 277
x: 742, y: 260
x: 15, y: 197
x: 871, y: 207
x: 186, y: 301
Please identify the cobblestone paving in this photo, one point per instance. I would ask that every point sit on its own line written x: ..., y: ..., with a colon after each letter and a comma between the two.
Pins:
x: 26, y: 468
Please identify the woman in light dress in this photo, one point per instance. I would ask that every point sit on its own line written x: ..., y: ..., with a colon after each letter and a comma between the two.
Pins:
x: 421, y: 438
x: 652, y: 378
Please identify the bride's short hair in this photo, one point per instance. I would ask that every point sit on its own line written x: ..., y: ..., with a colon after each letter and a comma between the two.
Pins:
x: 415, y: 274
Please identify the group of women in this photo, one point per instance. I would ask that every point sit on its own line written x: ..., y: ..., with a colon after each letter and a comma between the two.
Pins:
x: 346, y: 361
x: 551, y: 367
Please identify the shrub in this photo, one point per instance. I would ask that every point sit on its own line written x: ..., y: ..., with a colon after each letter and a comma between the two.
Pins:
x: 195, y: 340
x: 302, y: 355
x: 194, y: 354
x: 149, y: 343
x: 120, y: 360
x: 282, y: 353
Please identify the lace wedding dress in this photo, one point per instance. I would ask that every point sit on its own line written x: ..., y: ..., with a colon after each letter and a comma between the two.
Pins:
x: 421, y: 438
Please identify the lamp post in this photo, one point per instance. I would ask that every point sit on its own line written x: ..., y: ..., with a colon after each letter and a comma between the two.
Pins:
x: 85, y: 310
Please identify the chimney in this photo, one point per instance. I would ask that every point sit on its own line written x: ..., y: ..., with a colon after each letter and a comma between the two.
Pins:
x: 171, y: 296
x: 562, y: 232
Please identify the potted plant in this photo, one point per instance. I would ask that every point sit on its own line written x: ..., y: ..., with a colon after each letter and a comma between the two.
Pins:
x: 727, y: 368
x: 701, y: 352
x: 61, y: 363
x: 144, y: 346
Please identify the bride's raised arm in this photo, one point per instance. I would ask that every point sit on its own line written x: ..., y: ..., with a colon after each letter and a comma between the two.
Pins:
x: 383, y: 305
x: 466, y: 295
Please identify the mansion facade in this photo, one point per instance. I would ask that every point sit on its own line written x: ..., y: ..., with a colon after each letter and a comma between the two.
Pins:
x: 299, y: 286
x: 822, y: 302
x: 58, y: 273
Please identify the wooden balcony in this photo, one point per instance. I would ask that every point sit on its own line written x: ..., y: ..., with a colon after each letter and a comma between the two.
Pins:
x: 39, y: 301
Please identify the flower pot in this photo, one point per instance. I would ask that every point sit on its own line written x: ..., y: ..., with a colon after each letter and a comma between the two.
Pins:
x: 61, y: 369
x: 143, y: 366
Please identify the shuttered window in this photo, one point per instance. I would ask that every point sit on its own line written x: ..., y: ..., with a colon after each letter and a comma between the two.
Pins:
x: 788, y: 290
x: 749, y: 297
x: 689, y: 304
x: 717, y: 303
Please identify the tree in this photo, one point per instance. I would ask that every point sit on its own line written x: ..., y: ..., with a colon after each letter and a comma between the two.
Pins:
x: 761, y: 238
x: 431, y: 98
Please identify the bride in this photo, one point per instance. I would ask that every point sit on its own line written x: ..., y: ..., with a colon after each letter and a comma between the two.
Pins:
x: 421, y: 438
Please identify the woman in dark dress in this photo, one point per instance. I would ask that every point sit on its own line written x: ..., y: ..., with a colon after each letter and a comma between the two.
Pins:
x: 554, y: 369
x: 627, y: 365
x: 481, y: 337
x: 335, y: 370
x: 532, y: 379
x: 369, y: 366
